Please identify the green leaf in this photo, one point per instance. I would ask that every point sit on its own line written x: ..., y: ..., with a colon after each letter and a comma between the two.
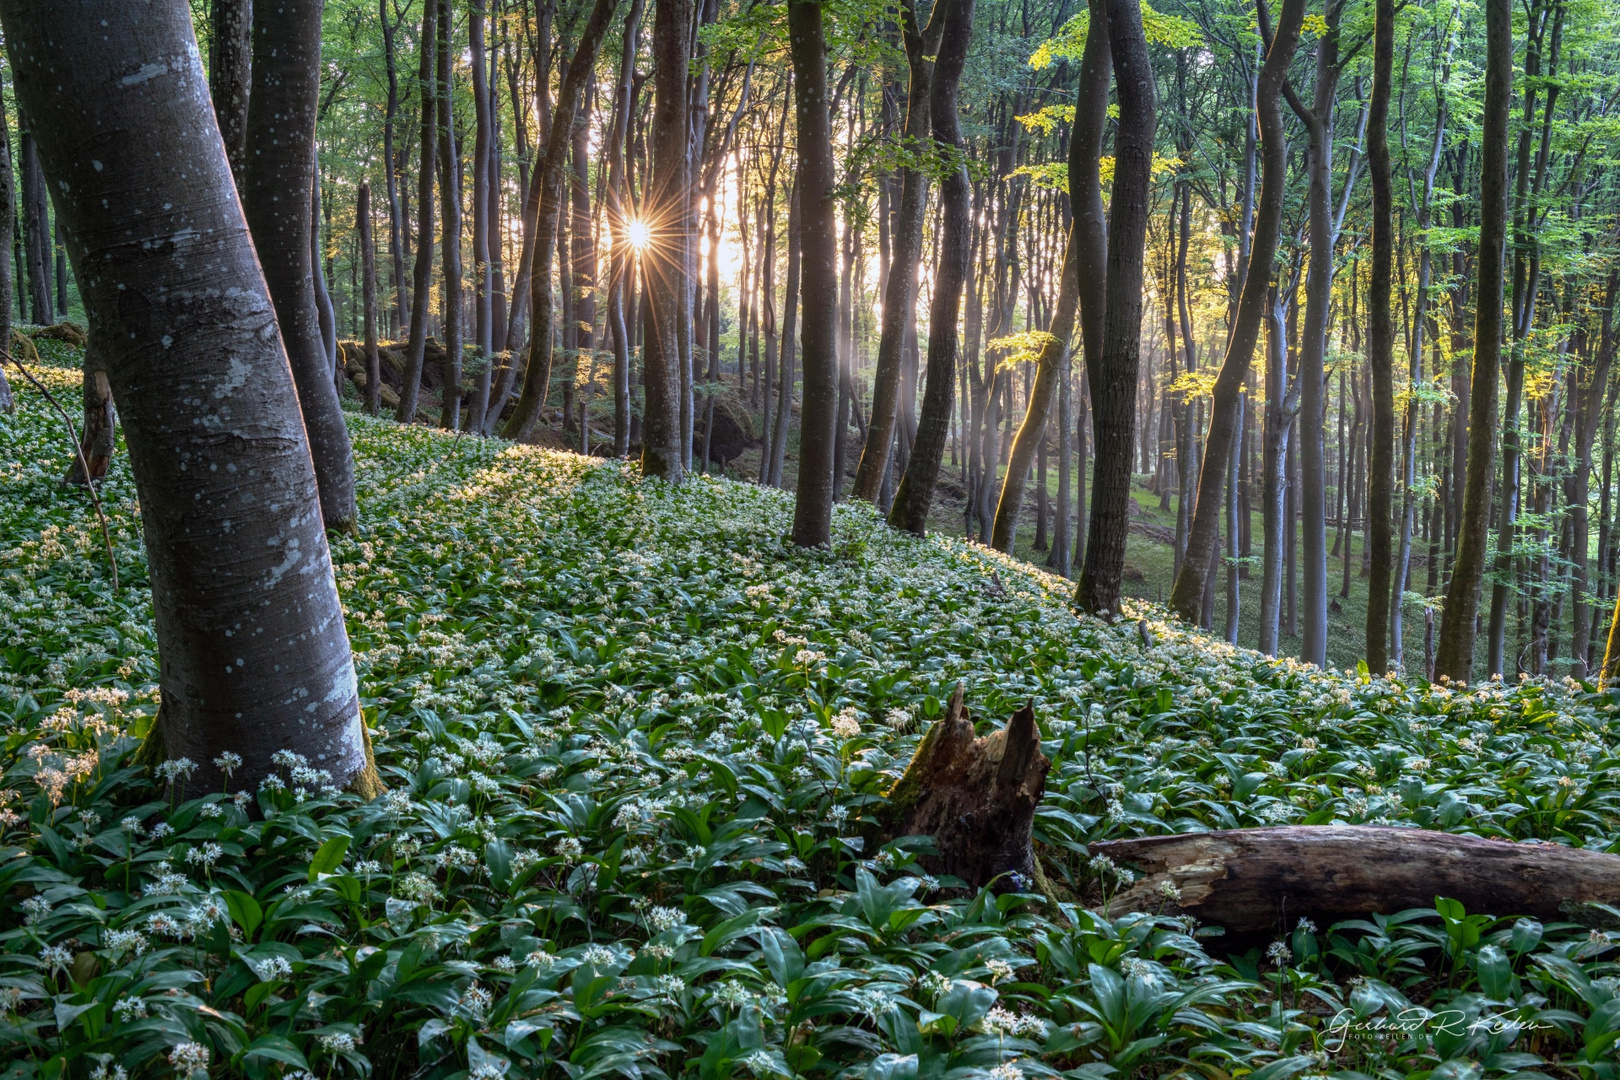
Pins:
x: 328, y: 857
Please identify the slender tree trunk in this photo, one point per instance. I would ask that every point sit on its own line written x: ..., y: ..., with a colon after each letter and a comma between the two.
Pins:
x: 1084, y: 275
x: 668, y: 262
x: 325, y: 316
x: 278, y: 200
x: 1381, y: 345
x: 916, y: 492
x: 1226, y: 404
x: 900, y: 286
x: 550, y: 174
x: 483, y: 206
x: 36, y: 214
x: 368, y: 256
x: 620, y: 213
x: 818, y: 281
x: 416, y: 347
x: 450, y: 241
x: 1113, y: 378
x: 787, y: 347
x: 230, y: 75
x: 255, y: 658
x: 8, y: 227
x: 398, y: 309
x: 1454, y: 657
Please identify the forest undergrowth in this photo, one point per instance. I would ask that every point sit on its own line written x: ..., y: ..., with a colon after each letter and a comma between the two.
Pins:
x: 634, y: 740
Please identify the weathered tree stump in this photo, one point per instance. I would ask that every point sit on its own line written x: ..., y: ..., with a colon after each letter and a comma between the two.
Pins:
x: 976, y: 797
x: 1261, y: 881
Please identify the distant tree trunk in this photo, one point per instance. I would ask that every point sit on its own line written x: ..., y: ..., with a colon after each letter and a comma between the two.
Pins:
x: 325, y: 316
x: 396, y: 246
x: 787, y: 348
x: 1578, y: 483
x: 1381, y: 345
x: 1455, y: 655
x: 620, y: 212
x: 99, y: 435
x: 422, y: 272
x: 230, y: 75
x: 255, y: 658
x: 483, y: 205
x: 668, y: 262
x: 1192, y: 582
x: 8, y: 225
x: 1113, y: 377
x: 36, y: 245
x: 916, y: 492
x: 551, y: 173
x: 1312, y: 376
x: 450, y: 236
x: 278, y: 199
x: 583, y: 264
x: 818, y: 275
x: 1082, y: 268
x: 368, y: 256
x: 900, y: 286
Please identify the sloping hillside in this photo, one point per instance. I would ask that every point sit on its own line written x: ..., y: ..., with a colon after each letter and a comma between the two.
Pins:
x: 631, y: 735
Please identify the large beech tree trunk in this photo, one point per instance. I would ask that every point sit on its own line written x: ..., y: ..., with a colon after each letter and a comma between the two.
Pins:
x: 278, y: 199
x: 1261, y: 881
x: 1113, y: 377
x: 254, y: 655
x: 976, y: 796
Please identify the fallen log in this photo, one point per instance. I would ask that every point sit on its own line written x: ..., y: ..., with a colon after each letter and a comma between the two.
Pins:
x: 1262, y: 881
x: 976, y: 796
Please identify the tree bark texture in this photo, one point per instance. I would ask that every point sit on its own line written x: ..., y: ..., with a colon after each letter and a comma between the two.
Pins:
x: 253, y: 653
x: 422, y: 269
x: 278, y: 199
x: 1113, y: 377
x: 1455, y: 655
x: 1381, y: 346
x: 368, y: 274
x: 1262, y: 881
x: 818, y: 270
x: 976, y: 796
x: 230, y: 76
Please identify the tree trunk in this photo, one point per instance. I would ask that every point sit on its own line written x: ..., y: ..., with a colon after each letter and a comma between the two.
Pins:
x: 1084, y: 275
x: 818, y: 282
x: 551, y: 173
x: 1262, y: 881
x: 1113, y: 377
x: 278, y: 199
x: 325, y: 316
x: 1226, y: 404
x: 484, y: 204
x: 8, y: 226
x: 368, y: 274
x: 667, y: 261
x: 230, y: 76
x: 396, y: 246
x: 1455, y: 655
x: 255, y: 658
x: 900, y: 286
x: 35, y: 215
x: 450, y: 244
x: 976, y: 796
x: 99, y: 436
x: 1381, y: 346
x: 916, y: 492
x: 622, y: 256
x: 422, y: 271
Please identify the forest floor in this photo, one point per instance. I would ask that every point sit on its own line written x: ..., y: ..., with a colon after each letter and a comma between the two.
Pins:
x: 1150, y: 560
x: 634, y: 740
